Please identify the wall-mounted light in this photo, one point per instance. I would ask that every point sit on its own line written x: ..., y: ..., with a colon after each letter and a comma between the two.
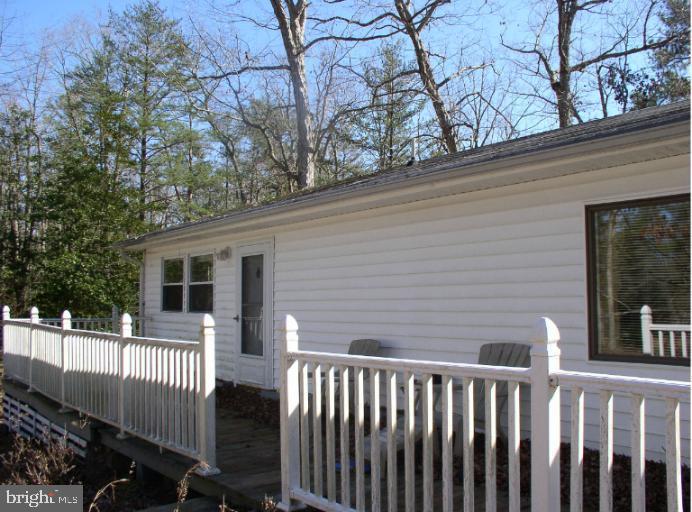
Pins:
x: 224, y: 254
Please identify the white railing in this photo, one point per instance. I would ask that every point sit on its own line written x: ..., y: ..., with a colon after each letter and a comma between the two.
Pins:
x: 638, y: 390
x: 101, y: 324
x: 308, y: 430
x: 664, y: 340
x: 160, y: 390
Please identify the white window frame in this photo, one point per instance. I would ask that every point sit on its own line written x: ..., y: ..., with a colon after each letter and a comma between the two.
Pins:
x: 164, y: 284
x: 188, y: 280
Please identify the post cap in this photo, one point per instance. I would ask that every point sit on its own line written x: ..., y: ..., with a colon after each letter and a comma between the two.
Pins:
x: 5, y: 312
x: 126, y: 319
x: 66, y: 315
x: 208, y: 321
x: 291, y: 324
x: 646, y: 310
x: 545, y: 331
x: 33, y: 311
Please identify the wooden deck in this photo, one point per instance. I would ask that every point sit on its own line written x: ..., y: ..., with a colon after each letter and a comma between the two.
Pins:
x: 248, y: 454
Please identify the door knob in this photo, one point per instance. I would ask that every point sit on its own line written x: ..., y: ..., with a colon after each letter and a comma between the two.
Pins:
x: 236, y: 318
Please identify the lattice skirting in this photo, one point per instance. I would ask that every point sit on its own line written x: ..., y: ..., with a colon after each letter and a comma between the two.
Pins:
x: 24, y: 420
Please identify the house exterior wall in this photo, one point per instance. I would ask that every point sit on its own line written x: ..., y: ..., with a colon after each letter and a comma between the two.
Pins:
x: 437, y: 279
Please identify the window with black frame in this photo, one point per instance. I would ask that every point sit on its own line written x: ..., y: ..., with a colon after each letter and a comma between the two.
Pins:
x: 172, y: 288
x: 201, y: 284
x: 639, y: 265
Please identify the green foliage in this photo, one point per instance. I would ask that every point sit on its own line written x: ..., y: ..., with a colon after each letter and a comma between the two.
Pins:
x: 386, y: 130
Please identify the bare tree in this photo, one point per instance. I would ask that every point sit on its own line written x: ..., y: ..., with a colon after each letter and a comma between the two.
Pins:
x: 413, y: 23
x: 621, y: 42
x: 291, y: 17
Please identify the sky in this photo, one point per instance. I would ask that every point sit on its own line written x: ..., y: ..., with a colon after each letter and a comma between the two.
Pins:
x: 31, y: 17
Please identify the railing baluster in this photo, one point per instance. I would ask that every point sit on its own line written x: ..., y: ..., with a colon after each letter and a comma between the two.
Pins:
x: 192, y: 384
x: 375, y: 448
x: 184, y: 399
x: 428, y: 427
x: 683, y: 344
x: 661, y: 351
x: 330, y: 436
x: 359, y: 422
x: 317, y: 427
x: 490, y: 445
x: 469, y: 434
x: 391, y: 442
x: 344, y: 454
x: 671, y: 340
x: 606, y: 452
x: 447, y: 443
x: 303, y: 371
x: 409, y: 442
x: 178, y: 397
x: 638, y: 454
x: 673, y: 471
x: 171, y: 396
x: 577, y: 451
x: 513, y: 446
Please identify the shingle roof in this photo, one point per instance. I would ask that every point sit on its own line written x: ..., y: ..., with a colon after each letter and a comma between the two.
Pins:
x: 630, y: 122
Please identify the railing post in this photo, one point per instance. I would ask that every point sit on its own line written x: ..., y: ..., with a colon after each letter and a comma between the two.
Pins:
x: 123, y: 369
x: 65, y: 324
x: 5, y: 316
x: 290, y: 419
x: 33, y: 316
x: 545, y: 418
x: 647, y: 320
x: 207, y: 397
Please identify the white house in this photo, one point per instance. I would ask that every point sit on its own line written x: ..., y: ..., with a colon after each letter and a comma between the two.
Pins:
x: 585, y: 225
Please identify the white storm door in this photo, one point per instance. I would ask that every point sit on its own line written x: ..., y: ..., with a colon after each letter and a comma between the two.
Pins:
x: 254, y: 318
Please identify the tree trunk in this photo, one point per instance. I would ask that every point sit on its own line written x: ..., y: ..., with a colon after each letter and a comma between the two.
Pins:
x: 292, y: 28
x: 563, y: 91
x: 427, y: 77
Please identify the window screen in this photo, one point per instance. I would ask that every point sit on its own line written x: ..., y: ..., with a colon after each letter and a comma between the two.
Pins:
x: 201, y: 284
x: 172, y: 289
x: 639, y: 255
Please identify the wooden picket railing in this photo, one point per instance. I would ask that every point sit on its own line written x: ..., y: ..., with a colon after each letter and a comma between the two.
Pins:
x: 160, y: 390
x: 312, y: 476
x: 664, y: 340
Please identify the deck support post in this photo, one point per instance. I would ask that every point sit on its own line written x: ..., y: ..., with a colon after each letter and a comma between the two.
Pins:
x: 290, y: 418
x: 206, y: 413
x: 545, y: 418
x: 65, y: 325
x: 123, y: 369
x: 34, y: 319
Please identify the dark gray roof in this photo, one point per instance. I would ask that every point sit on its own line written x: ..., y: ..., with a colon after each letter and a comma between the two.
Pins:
x: 635, y: 121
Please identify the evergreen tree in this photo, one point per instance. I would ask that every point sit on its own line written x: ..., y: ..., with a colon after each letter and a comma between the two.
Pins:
x: 386, y: 130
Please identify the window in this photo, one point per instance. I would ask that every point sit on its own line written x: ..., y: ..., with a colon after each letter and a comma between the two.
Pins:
x: 201, y: 284
x: 172, y: 292
x: 639, y: 255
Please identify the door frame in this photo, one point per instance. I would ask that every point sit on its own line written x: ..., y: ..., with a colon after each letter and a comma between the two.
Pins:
x: 266, y: 248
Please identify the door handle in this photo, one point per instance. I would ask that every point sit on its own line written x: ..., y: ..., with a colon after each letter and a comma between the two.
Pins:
x: 236, y: 318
